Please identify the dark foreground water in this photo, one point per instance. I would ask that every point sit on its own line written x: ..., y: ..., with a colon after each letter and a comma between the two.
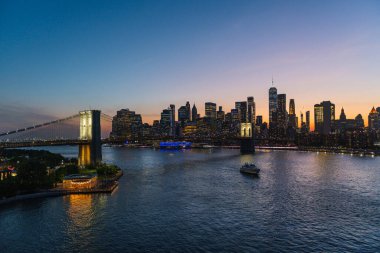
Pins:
x: 197, y: 201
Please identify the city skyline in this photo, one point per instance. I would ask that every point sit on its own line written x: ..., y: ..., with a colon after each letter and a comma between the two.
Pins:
x: 60, y: 58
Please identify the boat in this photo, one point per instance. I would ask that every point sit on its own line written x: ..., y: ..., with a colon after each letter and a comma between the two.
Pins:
x: 250, y: 169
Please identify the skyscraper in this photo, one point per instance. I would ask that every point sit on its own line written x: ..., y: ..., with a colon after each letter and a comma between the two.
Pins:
x: 242, y: 110
x: 324, y: 117
x: 210, y: 110
x: 272, y: 103
x: 281, y: 111
x: 194, y: 113
x: 220, y: 114
x: 373, y: 119
x: 292, y: 107
x: 292, y: 114
x: 251, y: 110
x: 126, y: 125
x: 183, y: 114
x: 359, y: 122
x: 166, y: 121
x: 188, y: 110
x: 172, y: 122
x: 308, y: 121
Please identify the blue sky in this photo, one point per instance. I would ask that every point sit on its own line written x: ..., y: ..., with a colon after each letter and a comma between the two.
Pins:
x: 59, y: 57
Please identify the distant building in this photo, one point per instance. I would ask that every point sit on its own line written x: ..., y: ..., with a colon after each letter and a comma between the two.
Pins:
x: 194, y: 113
x: 251, y: 110
x: 272, y: 103
x: 359, y: 121
x: 126, y: 125
x: 220, y: 114
x: 343, y: 124
x: 292, y: 114
x: 183, y: 114
x: 188, y: 110
x: 324, y: 117
x: 373, y: 119
x: 242, y: 110
x: 259, y: 120
x: 210, y: 110
x: 281, y: 111
x: 166, y: 122
x: 308, y: 121
x: 172, y: 122
x: 235, y: 117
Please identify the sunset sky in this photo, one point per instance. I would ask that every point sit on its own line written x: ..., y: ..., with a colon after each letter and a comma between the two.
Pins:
x: 60, y: 57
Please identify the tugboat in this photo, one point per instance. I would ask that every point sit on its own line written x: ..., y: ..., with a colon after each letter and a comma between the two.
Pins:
x: 249, y: 169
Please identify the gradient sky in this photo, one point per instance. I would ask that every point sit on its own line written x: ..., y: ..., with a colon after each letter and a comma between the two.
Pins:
x: 59, y: 57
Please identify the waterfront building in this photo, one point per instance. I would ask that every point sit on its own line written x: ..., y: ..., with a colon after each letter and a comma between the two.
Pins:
x: 373, y: 119
x: 324, y: 117
x: 272, y: 103
x: 126, y: 125
x: 79, y: 181
x: 210, y: 110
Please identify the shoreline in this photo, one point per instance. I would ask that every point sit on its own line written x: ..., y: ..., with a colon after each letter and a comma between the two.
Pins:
x: 56, y: 192
x: 346, y: 151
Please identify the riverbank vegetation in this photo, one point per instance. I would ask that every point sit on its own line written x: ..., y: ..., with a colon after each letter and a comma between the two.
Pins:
x: 36, y: 170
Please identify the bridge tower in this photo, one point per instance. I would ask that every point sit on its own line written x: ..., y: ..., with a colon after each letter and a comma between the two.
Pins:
x: 247, y: 145
x: 90, y: 152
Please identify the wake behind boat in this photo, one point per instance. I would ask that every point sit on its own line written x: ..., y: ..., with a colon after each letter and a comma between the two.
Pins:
x: 250, y: 169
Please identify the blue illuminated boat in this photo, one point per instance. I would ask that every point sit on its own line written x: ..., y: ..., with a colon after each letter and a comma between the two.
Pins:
x: 175, y: 145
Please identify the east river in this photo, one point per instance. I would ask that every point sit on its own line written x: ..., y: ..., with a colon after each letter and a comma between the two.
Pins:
x: 197, y: 201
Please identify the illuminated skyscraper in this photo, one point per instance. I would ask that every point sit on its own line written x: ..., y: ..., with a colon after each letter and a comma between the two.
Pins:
x: 324, y: 117
x: 272, y: 103
x: 210, y: 110
x: 292, y: 114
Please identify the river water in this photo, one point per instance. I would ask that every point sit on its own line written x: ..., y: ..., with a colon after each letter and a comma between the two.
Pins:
x: 197, y: 201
